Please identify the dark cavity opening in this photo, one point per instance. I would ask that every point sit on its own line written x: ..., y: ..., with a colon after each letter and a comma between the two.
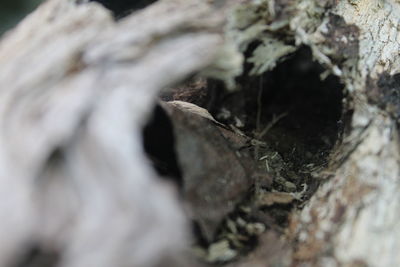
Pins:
x: 310, y: 109
x: 292, y: 120
x: 293, y: 112
x: 159, y: 145
x: 122, y: 8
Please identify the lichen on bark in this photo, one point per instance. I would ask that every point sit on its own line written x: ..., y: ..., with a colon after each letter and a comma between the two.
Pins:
x: 78, y: 87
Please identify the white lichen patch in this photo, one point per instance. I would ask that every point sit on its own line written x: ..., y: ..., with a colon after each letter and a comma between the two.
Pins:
x: 256, y: 22
x: 220, y: 252
x: 255, y: 228
x: 227, y: 65
x: 268, y: 54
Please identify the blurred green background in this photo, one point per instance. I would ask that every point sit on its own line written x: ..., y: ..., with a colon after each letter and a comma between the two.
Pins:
x: 12, y: 11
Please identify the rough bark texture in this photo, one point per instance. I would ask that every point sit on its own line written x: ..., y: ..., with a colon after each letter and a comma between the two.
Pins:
x: 76, y: 92
x: 77, y: 88
x: 353, y: 218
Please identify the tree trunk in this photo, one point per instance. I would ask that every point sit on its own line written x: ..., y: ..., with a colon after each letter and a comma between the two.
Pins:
x: 79, y: 87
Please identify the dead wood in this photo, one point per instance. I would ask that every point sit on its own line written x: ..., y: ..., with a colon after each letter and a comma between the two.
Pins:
x: 316, y: 98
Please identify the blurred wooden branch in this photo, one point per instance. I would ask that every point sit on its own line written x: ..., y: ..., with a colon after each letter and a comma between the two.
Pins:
x: 78, y: 87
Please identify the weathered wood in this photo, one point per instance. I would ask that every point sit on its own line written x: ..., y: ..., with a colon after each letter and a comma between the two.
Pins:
x: 77, y: 88
x: 76, y: 91
x: 353, y: 218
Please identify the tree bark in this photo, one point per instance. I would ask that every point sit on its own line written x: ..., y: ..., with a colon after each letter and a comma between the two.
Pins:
x: 78, y: 87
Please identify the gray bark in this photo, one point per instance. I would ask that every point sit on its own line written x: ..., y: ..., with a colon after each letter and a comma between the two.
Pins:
x: 78, y: 87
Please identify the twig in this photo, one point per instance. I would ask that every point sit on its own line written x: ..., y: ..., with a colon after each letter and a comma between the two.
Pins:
x: 274, y: 121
